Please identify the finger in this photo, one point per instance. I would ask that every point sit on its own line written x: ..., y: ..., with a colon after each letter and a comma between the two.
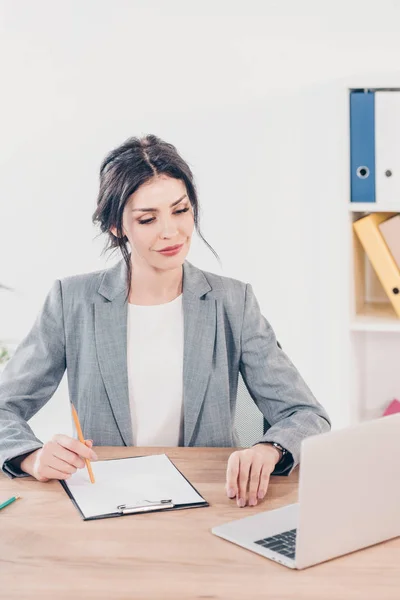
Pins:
x: 66, y: 455
x: 89, y: 443
x: 46, y: 471
x: 51, y: 473
x: 255, y: 472
x: 244, y: 470
x: 62, y: 466
x: 232, y: 473
x: 264, y: 482
x: 75, y: 446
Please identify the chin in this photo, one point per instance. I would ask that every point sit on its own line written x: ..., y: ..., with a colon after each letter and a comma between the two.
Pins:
x: 169, y: 263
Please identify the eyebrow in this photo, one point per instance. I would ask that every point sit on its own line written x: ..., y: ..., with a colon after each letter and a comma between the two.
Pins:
x: 156, y: 209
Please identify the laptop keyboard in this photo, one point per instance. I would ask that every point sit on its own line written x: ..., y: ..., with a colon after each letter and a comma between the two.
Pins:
x: 283, y: 543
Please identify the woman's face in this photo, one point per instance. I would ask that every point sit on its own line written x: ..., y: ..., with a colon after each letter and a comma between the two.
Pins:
x: 156, y: 216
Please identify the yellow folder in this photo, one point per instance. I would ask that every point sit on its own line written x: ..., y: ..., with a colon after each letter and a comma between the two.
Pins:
x: 367, y: 229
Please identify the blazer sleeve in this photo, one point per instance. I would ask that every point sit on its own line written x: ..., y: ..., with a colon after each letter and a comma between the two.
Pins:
x: 29, y: 380
x: 276, y: 386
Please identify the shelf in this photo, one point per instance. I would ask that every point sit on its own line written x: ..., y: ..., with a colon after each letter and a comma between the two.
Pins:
x: 376, y: 316
x: 373, y: 207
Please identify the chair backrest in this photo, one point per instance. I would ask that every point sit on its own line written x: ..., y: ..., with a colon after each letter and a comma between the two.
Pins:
x: 249, y: 421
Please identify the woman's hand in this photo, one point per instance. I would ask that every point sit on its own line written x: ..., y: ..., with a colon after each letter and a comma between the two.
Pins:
x: 248, y: 472
x: 58, y: 459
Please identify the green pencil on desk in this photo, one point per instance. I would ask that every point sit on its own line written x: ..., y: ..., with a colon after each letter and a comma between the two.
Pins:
x: 9, y: 501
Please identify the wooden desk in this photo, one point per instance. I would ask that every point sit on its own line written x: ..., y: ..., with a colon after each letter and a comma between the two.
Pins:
x: 47, y: 552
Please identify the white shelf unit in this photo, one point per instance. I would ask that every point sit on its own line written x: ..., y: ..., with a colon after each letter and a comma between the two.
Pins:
x: 374, y: 330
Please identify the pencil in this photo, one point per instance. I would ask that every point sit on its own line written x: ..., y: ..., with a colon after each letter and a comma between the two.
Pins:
x: 82, y: 439
x: 10, y: 501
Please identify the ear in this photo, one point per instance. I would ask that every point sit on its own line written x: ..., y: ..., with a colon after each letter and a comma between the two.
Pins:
x: 113, y: 230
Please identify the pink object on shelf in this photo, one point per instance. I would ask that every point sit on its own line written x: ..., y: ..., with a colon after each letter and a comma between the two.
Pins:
x: 394, y: 407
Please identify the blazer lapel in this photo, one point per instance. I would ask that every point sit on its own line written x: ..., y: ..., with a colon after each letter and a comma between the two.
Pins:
x: 111, y: 345
x: 199, y: 337
x: 199, y: 313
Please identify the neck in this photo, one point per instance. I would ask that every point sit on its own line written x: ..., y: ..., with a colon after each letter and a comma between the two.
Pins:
x: 155, y: 286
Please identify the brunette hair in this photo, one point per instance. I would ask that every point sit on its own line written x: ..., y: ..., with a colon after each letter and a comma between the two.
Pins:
x: 123, y: 171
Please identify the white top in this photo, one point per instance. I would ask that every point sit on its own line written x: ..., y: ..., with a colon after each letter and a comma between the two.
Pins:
x: 155, y: 373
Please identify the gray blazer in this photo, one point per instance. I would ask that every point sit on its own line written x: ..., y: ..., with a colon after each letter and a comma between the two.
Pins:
x: 82, y: 327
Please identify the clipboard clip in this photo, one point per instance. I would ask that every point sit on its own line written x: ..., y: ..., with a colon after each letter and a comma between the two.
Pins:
x: 145, y: 506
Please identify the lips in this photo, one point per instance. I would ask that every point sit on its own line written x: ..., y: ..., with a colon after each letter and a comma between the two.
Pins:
x: 169, y: 248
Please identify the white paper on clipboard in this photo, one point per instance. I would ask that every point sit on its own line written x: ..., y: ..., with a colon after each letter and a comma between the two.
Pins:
x: 129, y: 481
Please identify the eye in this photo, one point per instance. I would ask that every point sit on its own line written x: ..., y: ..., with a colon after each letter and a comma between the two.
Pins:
x: 177, y: 212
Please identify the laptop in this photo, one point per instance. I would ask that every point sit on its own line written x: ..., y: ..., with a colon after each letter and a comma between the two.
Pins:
x: 349, y: 498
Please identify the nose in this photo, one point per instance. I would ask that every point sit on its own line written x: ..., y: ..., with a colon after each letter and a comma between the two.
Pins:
x: 168, y: 229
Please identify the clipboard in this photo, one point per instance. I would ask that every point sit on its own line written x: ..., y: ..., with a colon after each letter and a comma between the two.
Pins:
x: 155, y: 473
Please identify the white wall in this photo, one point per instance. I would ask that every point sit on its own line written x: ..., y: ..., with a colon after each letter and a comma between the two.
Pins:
x: 254, y: 97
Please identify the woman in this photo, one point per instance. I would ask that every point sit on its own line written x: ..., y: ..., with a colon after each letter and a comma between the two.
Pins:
x: 153, y: 346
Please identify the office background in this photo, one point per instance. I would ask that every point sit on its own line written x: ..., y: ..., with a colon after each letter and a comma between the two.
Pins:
x: 255, y: 97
